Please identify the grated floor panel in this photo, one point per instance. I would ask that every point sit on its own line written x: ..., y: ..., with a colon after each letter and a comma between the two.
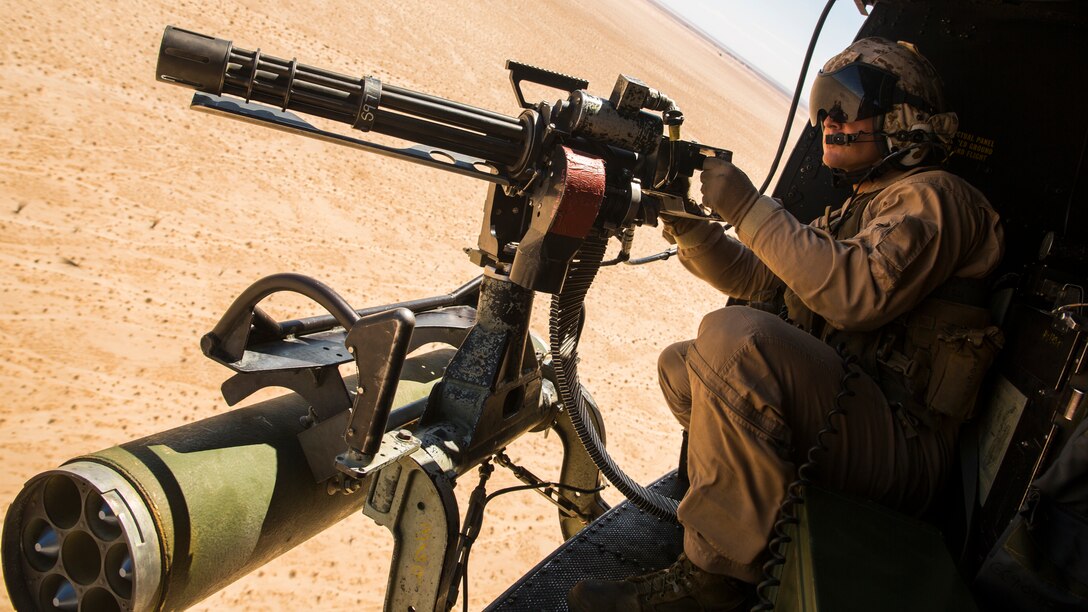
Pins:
x: 625, y: 541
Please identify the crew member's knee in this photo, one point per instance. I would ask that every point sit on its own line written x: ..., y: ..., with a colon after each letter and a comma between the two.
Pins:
x: 672, y: 375
x: 740, y: 359
x: 725, y: 330
x: 671, y: 364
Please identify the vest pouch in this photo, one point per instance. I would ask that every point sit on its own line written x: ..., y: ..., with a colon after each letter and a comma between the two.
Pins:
x: 961, y: 357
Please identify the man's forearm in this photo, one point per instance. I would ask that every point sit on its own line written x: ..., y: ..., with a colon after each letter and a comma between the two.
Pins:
x: 722, y: 261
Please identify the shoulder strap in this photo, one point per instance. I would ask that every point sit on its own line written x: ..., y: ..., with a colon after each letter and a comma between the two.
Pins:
x: 848, y: 224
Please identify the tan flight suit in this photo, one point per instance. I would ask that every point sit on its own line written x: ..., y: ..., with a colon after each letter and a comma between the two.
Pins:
x: 753, y: 390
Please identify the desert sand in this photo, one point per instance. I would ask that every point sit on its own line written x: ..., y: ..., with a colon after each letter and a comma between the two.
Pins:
x: 128, y: 223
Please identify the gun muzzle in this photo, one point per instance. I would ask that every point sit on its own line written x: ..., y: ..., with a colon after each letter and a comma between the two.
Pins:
x: 164, y: 521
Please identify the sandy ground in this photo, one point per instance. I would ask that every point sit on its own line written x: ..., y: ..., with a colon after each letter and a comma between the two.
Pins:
x: 129, y: 223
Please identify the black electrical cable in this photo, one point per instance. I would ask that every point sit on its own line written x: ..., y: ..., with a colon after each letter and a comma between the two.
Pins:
x: 797, y: 94
x: 795, y: 495
x: 466, y: 532
x: 542, y: 485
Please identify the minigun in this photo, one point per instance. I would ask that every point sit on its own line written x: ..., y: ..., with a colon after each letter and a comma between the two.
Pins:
x: 163, y: 521
x: 559, y: 172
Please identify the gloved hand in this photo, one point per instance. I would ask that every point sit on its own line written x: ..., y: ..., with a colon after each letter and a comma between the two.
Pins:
x: 672, y: 228
x: 688, y: 233
x: 727, y: 190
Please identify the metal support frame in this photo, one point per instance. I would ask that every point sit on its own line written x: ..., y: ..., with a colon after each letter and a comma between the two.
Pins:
x: 579, y: 471
x: 414, y: 499
x: 490, y: 394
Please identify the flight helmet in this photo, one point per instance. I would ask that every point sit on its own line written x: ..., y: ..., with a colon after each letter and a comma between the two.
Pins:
x: 895, y: 84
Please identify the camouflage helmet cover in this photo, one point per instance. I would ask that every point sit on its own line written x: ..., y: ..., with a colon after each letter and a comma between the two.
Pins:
x: 916, y: 77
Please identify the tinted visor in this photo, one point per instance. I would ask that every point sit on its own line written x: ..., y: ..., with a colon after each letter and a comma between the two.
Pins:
x: 855, y: 91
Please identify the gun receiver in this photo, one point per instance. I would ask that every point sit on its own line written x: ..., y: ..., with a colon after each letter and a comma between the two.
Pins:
x: 535, y: 223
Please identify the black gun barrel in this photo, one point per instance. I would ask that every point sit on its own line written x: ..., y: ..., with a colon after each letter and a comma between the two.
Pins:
x: 216, y: 66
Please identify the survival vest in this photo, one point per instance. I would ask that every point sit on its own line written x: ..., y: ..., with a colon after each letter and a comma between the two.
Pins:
x: 930, y: 361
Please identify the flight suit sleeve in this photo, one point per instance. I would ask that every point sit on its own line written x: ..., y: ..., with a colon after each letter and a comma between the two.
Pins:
x: 711, y: 254
x: 915, y: 234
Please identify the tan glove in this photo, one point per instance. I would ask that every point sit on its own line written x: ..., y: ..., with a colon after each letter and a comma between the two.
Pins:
x: 687, y: 233
x: 727, y: 190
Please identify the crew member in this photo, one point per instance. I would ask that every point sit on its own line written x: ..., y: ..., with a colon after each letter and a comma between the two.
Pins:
x: 895, y: 274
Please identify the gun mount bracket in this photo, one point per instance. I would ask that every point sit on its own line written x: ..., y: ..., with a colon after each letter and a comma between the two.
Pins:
x: 379, y: 343
x: 395, y: 444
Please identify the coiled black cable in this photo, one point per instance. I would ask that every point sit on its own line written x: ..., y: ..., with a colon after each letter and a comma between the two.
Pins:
x: 566, y: 316
x: 795, y: 494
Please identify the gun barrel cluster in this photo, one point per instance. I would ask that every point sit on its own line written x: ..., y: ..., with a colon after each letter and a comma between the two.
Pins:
x: 216, y: 66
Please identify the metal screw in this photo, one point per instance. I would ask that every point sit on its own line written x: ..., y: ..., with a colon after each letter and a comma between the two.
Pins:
x: 404, y: 435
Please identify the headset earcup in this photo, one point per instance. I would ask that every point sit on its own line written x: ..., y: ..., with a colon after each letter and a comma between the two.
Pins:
x: 919, y: 136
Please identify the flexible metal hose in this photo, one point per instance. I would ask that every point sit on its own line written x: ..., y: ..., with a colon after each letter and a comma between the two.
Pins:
x: 565, y: 321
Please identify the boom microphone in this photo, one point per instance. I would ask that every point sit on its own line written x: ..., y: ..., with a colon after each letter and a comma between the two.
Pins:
x: 840, y: 138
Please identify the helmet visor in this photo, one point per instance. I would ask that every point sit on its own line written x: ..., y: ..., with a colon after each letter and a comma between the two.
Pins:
x: 855, y: 91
